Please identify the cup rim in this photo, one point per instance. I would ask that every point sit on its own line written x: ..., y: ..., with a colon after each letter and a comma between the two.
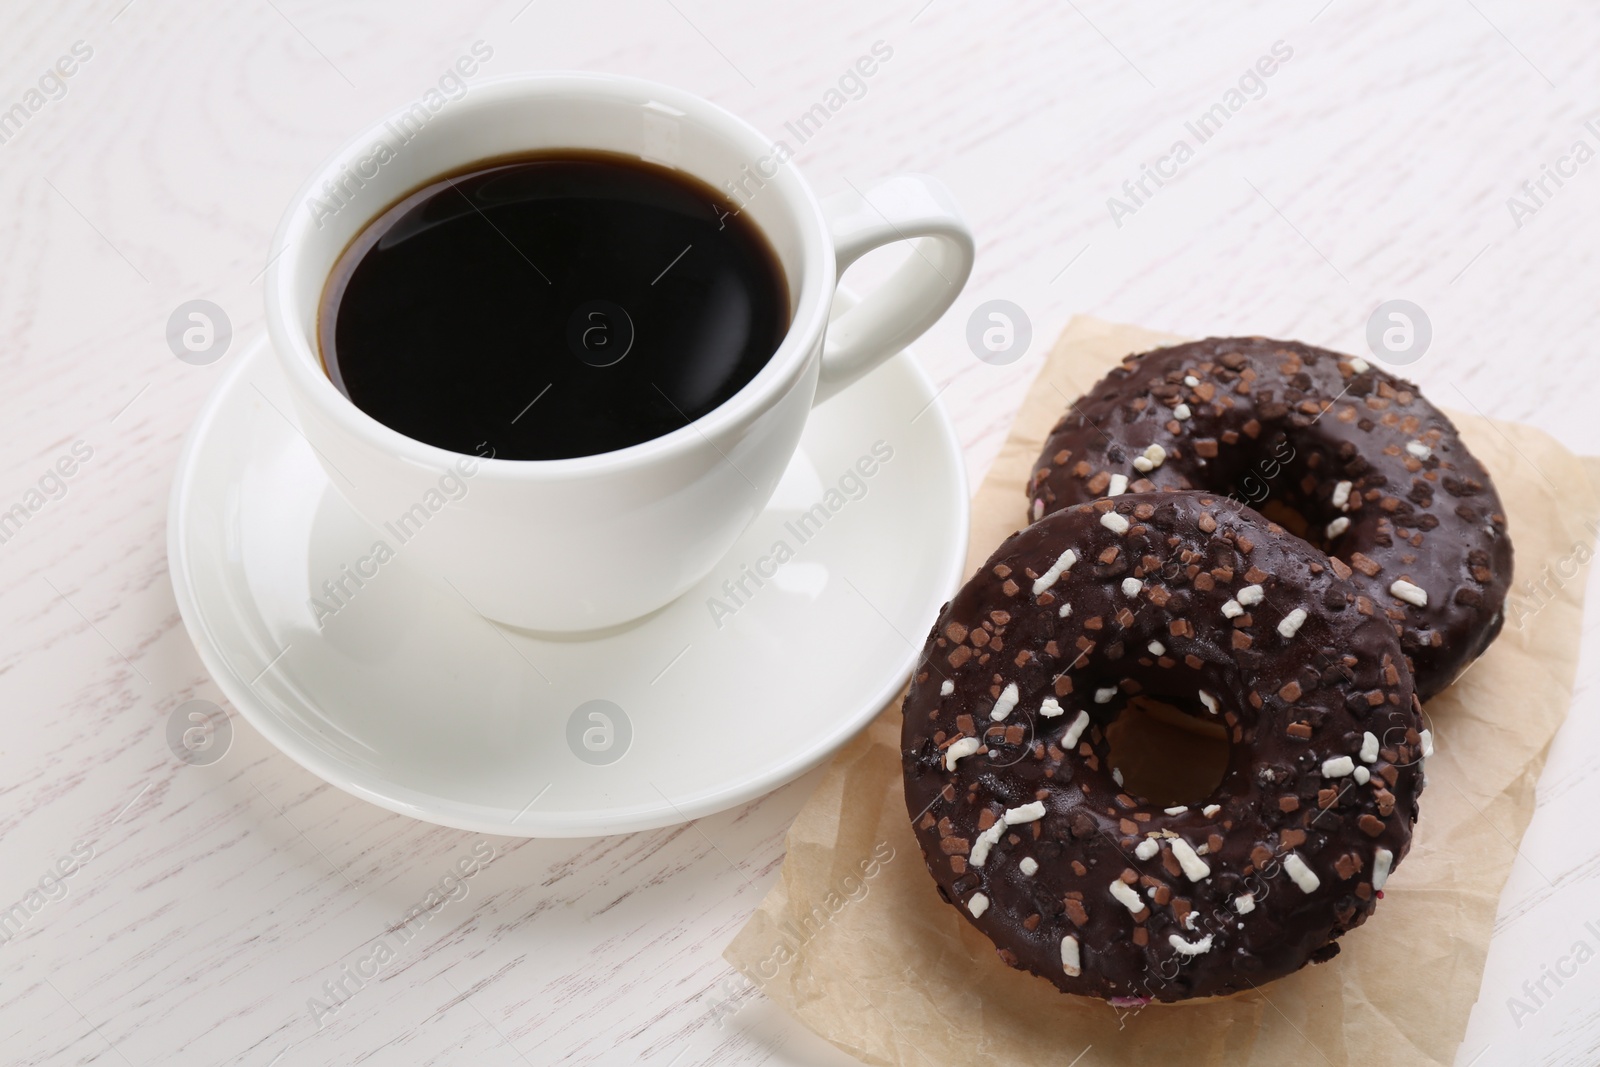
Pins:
x: 298, y: 354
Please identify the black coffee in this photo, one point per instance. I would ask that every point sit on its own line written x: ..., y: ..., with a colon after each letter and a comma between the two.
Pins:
x: 552, y: 306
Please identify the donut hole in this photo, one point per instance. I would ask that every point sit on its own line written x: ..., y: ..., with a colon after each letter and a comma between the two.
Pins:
x: 1303, y: 519
x: 1167, y: 757
x: 1287, y: 482
x: 1290, y: 518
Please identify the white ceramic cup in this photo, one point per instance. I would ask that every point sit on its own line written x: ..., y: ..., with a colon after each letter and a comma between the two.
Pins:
x: 590, y: 542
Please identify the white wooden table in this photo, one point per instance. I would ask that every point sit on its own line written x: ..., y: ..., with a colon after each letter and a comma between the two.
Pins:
x: 208, y: 904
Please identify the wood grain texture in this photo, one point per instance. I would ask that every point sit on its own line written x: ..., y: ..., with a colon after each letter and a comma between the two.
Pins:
x: 1377, y: 164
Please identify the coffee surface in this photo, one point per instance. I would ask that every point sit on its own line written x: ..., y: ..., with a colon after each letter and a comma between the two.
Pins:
x: 552, y: 306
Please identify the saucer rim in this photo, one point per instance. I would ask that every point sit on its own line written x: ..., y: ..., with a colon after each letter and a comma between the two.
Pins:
x: 476, y: 817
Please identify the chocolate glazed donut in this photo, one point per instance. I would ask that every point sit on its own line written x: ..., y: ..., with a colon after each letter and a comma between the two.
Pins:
x: 1379, y: 474
x: 1198, y: 602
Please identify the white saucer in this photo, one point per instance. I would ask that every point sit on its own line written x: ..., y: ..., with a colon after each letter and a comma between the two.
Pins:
x: 408, y: 699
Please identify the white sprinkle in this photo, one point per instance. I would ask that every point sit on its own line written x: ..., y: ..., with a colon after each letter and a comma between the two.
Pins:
x: 1062, y: 565
x: 1103, y: 696
x: 1069, y: 956
x: 1066, y: 609
x: 1118, y: 486
x: 986, y: 840
x: 947, y: 688
x: 1114, y: 522
x: 1209, y: 701
x: 1338, y: 526
x: 1411, y: 594
x: 1203, y: 849
x: 1188, y: 920
x: 1185, y: 948
x: 1292, y: 622
x: 1362, y: 776
x: 960, y: 749
x: 1193, y: 866
x: 1116, y: 775
x: 1128, y: 897
x: 1427, y: 743
x: 1369, y: 747
x: 1151, y: 892
x: 978, y: 905
x: 1359, y: 365
x: 1029, y: 866
x: 1006, y: 704
x: 1232, y: 610
x: 1382, y: 864
x: 1245, y: 903
x: 1155, y: 456
x: 1337, y: 767
x: 1251, y: 594
x: 1049, y: 708
x: 1038, y: 510
x: 1141, y: 464
x: 1131, y: 586
x: 1147, y: 848
x: 1157, y: 648
x: 1341, y: 496
x: 1210, y: 809
x: 1181, y: 412
x: 1027, y: 813
x: 1418, y: 449
x: 1303, y: 876
x: 1190, y: 380
x: 1075, y: 731
x: 1179, y: 810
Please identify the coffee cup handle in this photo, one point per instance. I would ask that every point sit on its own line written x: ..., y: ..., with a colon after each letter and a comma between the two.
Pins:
x: 910, y: 207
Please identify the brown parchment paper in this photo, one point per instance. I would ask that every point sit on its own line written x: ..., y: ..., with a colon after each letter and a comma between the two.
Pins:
x: 854, y: 942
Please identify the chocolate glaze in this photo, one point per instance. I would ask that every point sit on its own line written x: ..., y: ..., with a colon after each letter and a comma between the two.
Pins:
x: 1288, y: 704
x: 1282, y: 421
